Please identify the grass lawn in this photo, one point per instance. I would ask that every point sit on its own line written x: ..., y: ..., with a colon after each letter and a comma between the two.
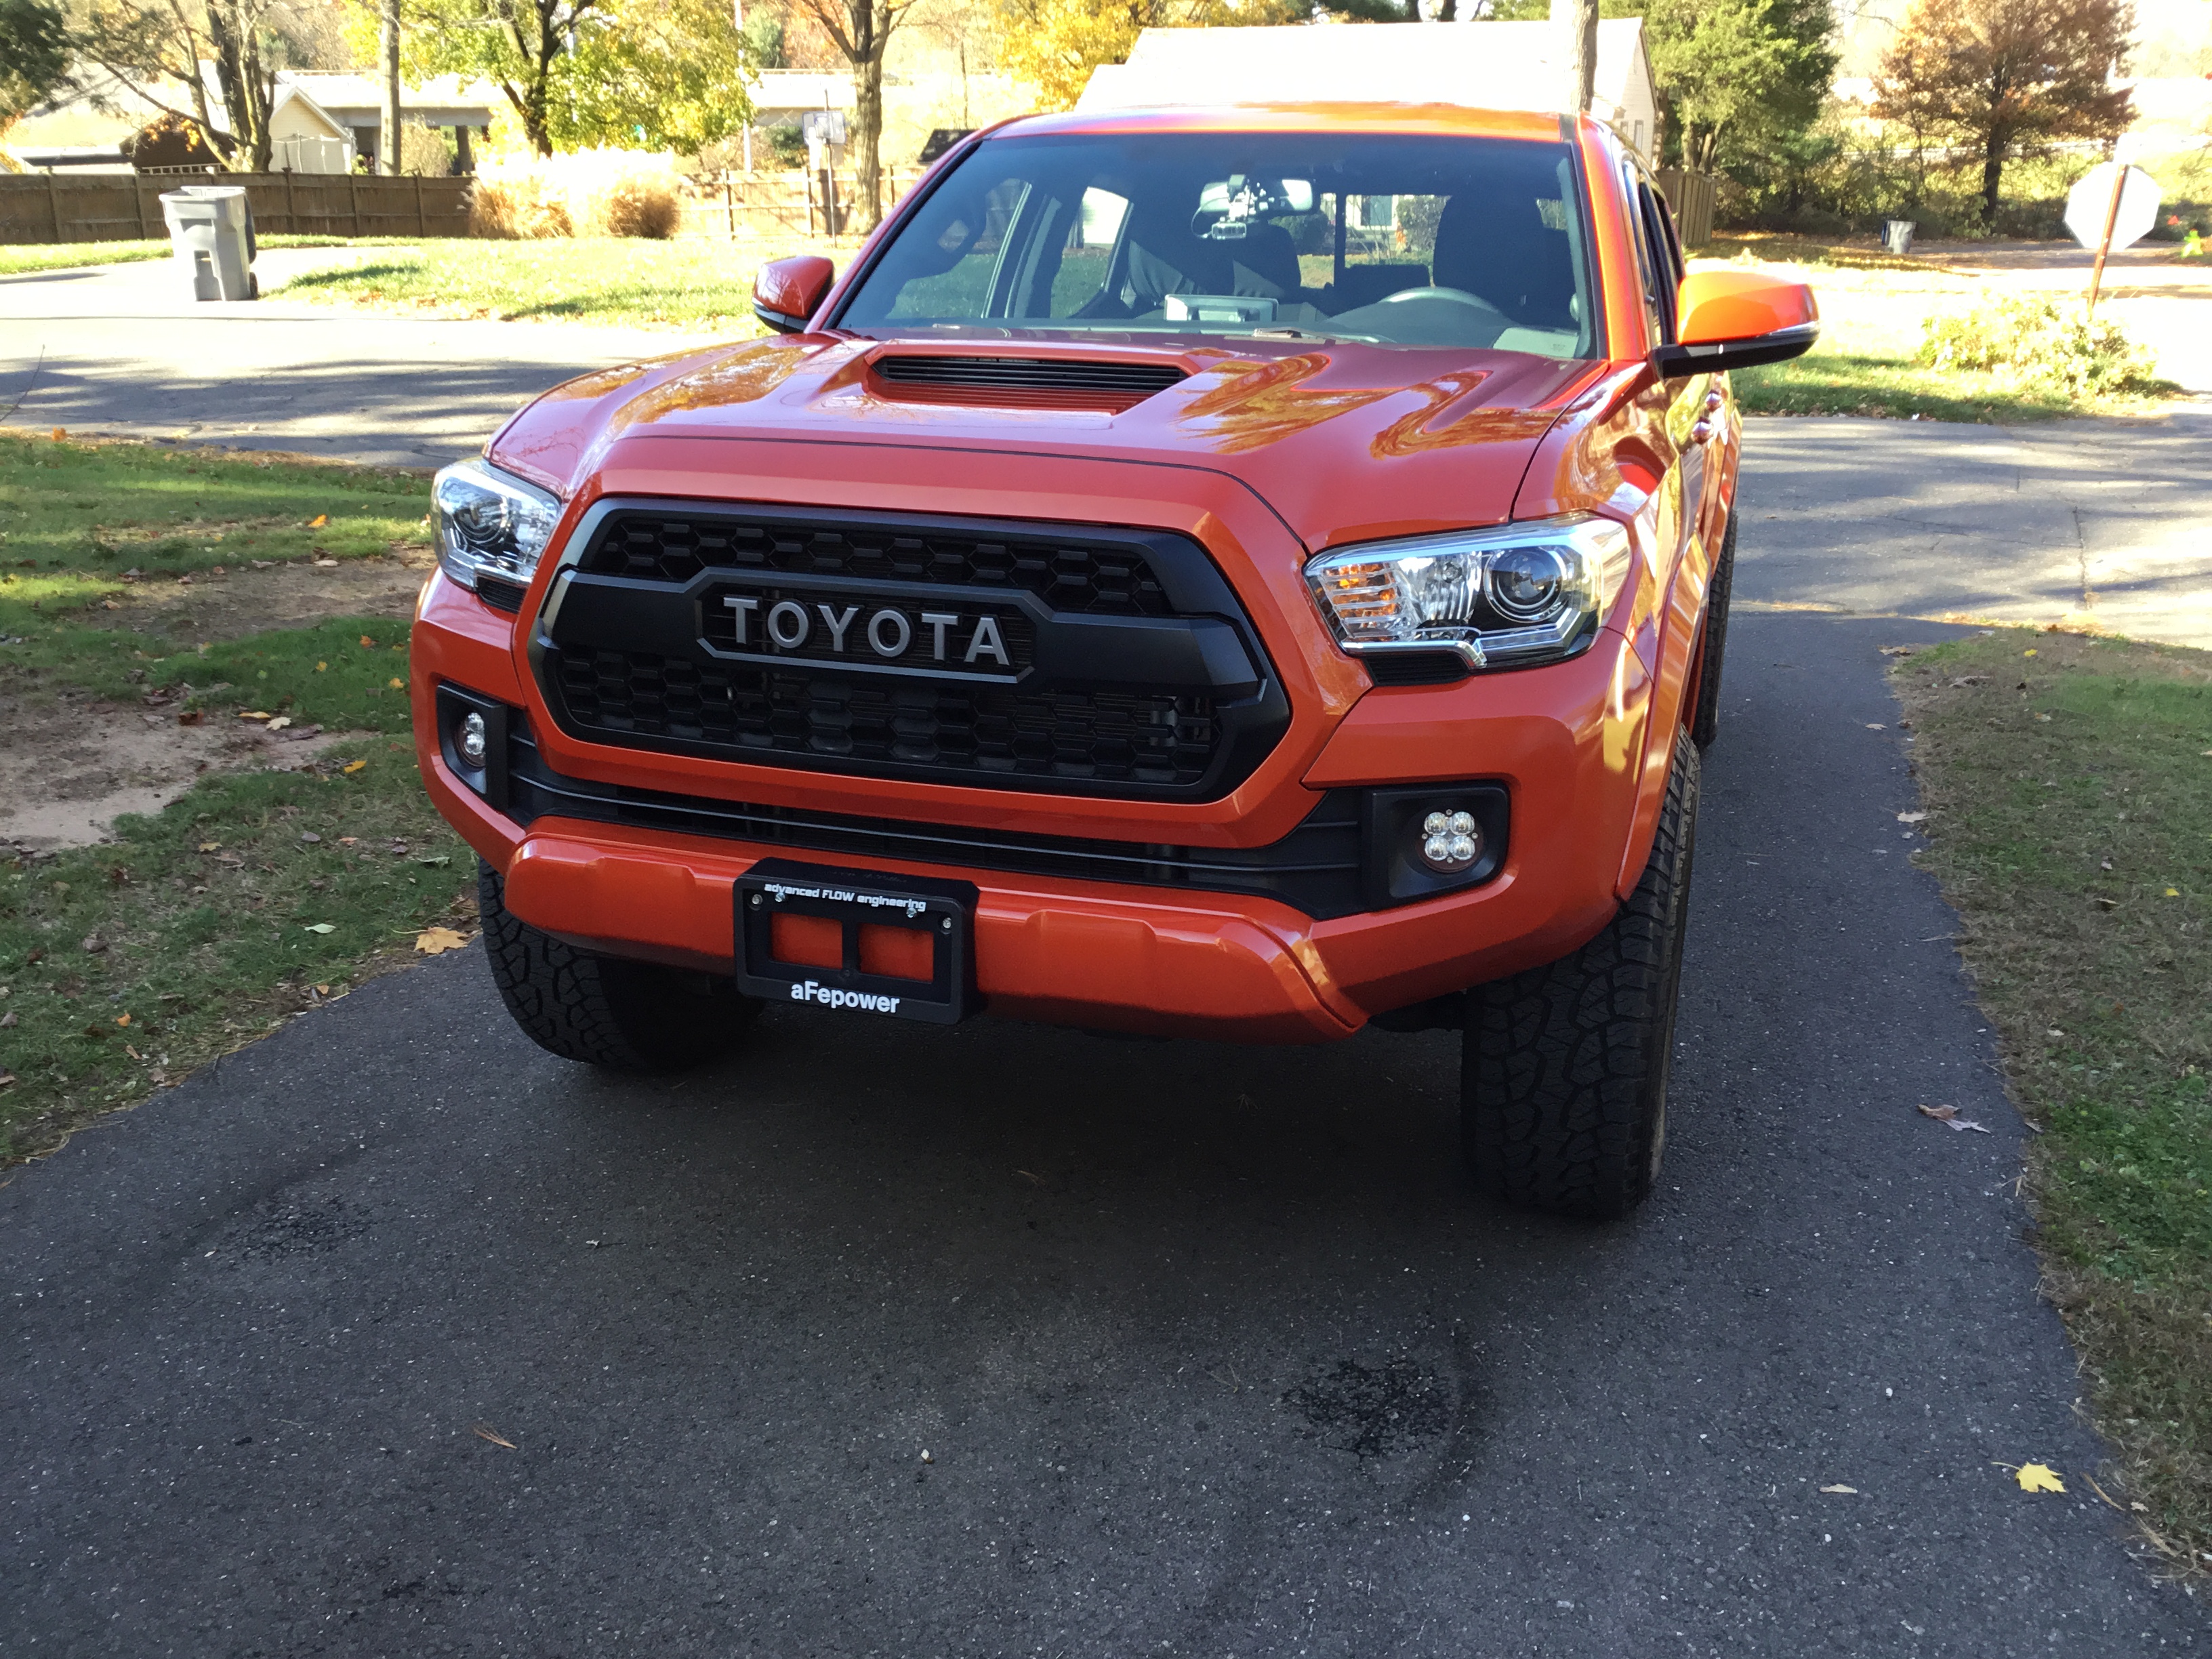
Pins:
x: 63, y: 256
x: 261, y: 892
x: 699, y: 285
x: 2068, y: 785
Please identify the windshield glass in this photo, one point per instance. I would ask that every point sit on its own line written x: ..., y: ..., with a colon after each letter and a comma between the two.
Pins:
x: 1398, y: 239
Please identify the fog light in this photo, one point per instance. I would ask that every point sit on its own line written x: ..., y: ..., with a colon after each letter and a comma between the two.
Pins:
x: 471, y: 743
x: 1450, y: 841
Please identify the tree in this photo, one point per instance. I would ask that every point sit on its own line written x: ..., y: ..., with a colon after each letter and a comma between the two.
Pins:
x: 1735, y: 77
x: 34, y: 54
x: 2007, y: 76
x: 861, y: 30
x: 146, y: 43
x: 1053, y: 44
x: 667, y: 73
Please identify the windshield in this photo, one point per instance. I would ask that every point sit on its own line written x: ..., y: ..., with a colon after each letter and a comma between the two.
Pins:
x: 1397, y: 240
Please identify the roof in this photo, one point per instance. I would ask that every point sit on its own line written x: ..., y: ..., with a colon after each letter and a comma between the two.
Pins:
x: 1485, y: 65
x: 1309, y: 117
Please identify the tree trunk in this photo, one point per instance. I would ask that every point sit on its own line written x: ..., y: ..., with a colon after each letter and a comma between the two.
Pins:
x: 868, y: 124
x: 1580, y: 17
x: 389, y: 64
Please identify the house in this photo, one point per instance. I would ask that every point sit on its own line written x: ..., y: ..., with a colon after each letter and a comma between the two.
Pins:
x: 1483, y: 65
x: 313, y: 113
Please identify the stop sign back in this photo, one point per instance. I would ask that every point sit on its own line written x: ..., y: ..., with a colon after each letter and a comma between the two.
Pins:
x: 2090, y: 200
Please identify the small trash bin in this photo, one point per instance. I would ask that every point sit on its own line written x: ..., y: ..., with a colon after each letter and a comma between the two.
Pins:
x: 211, y: 230
x: 1897, y: 235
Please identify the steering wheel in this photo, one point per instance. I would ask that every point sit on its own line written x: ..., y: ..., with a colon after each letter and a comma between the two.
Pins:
x: 1458, y: 295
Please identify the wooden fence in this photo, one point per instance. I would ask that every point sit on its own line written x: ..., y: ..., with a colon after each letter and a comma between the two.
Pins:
x: 1691, y: 197
x: 794, y: 203
x: 113, y: 207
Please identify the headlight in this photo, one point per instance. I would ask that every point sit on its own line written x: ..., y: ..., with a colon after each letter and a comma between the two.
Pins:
x: 489, y: 524
x: 1509, y: 598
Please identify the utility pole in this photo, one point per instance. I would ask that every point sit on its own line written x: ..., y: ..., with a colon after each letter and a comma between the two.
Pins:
x: 1579, y: 18
x: 390, y: 55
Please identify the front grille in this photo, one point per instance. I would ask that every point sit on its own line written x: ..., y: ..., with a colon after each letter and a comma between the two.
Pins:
x: 1099, y: 737
x: 1088, y: 580
x: 1066, y: 659
x: 1315, y: 869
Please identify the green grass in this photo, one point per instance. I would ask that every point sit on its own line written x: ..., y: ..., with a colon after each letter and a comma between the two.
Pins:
x: 1832, y: 380
x: 701, y: 284
x: 2069, y: 783
x: 205, y: 916
x: 21, y: 259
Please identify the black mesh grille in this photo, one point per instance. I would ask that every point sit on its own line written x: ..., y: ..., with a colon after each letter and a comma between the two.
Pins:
x: 1120, y: 380
x: 1085, y: 579
x: 1099, y: 736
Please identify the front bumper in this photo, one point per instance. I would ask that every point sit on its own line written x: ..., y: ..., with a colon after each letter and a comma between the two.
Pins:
x: 1566, y: 743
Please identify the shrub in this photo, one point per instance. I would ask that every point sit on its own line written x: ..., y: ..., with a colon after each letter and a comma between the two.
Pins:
x: 2039, y: 341
x: 595, y: 193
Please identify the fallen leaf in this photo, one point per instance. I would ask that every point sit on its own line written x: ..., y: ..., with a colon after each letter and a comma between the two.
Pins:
x: 1911, y: 818
x: 436, y: 941
x: 2038, y: 1477
x: 352, y: 767
x: 322, y: 927
x: 319, y: 521
x: 280, y: 722
x: 1847, y: 1492
x: 483, y: 1433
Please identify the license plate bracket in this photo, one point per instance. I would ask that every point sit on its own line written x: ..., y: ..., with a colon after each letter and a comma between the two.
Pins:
x: 942, y: 911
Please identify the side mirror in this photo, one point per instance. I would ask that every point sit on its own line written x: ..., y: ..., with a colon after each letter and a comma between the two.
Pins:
x: 789, y: 291
x: 1738, y: 320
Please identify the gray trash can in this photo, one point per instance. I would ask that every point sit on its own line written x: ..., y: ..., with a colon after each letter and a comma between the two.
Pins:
x: 211, y: 228
x: 1897, y: 235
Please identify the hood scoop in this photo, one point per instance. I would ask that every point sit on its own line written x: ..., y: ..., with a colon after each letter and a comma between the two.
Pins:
x: 1022, y: 382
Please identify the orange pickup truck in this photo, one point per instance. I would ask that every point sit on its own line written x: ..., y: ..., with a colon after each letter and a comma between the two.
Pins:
x: 1246, y: 573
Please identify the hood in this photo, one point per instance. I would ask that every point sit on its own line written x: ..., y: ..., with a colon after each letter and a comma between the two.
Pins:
x: 1345, y: 442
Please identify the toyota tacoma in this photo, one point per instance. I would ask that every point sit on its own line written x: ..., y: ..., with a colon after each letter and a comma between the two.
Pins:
x: 1249, y: 574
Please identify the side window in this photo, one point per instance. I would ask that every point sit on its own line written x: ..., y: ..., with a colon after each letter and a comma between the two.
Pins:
x: 1666, y: 251
x: 1089, y: 255
x: 1657, y: 311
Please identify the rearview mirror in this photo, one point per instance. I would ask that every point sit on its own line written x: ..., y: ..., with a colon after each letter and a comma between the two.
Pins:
x: 1738, y: 320
x: 787, y: 292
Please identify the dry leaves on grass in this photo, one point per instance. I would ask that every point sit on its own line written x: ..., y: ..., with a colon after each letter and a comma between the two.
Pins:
x: 436, y: 941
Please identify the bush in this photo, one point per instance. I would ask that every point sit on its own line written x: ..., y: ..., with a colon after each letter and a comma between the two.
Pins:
x: 2043, y: 342
x: 599, y: 192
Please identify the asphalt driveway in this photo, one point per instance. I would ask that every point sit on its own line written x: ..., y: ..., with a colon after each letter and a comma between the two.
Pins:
x: 879, y: 1339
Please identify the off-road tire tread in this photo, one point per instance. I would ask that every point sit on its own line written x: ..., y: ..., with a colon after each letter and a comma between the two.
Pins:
x: 1564, y: 1067
x: 1705, y: 723
x: 601, y: 1010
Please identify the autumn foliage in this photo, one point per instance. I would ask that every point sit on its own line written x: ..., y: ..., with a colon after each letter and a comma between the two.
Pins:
x: 2006, y: 75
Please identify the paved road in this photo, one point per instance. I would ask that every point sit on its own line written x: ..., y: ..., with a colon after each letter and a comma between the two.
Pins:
x: 112, y: 349
x: 1211, y: 1351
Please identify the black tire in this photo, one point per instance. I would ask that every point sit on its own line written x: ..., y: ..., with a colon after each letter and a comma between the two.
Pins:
x: 1563, y: 1074
x: 604, y: 1010
x: 1705, y: 720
